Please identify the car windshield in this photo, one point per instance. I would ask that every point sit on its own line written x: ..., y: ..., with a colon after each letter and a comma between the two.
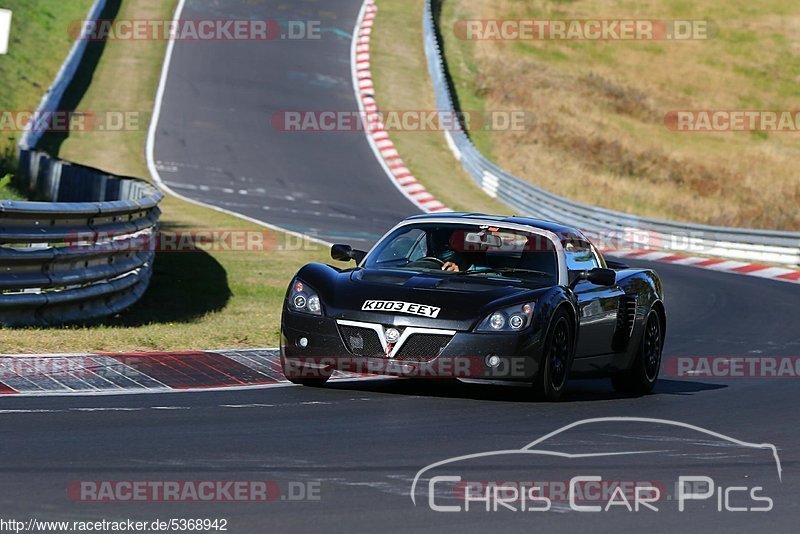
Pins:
x: 468, y: 250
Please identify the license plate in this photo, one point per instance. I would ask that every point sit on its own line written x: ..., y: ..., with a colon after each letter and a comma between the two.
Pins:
x: 397, y: 306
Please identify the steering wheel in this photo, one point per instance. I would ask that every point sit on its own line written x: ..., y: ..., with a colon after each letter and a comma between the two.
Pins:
x: 431, y: 259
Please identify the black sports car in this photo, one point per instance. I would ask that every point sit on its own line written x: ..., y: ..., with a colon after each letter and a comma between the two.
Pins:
x: 475, y: 296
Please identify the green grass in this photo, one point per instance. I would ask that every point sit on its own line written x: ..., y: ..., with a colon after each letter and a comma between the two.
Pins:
x: 541, y: 53
x: 7, y: 189
x: 600, y: 137
x: 38, y: 44
x: 465, y: 73
x: 402, y: 83
x: 196, y: 300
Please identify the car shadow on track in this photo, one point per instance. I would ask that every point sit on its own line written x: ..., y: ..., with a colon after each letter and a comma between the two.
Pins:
x: 577, y: 390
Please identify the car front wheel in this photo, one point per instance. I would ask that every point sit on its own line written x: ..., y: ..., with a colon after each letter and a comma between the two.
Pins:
x: 297, y: 374
x: 315, y: 382
x: 552, y: 378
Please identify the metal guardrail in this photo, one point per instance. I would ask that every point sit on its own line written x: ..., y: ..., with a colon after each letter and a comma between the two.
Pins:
x: 52, y: 98
x: 621, y: 230
x: 84, y: 250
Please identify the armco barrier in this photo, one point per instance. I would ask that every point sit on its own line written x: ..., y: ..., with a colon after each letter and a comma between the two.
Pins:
x: 80, y: 251
x: 630, y: 230
x: 81, y: 256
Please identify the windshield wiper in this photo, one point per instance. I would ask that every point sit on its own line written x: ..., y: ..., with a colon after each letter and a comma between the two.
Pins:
x: 506, y: 270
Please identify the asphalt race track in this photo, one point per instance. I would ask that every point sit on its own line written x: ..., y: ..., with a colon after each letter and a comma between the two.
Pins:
x: 216, y: 141
x: 363, y: 441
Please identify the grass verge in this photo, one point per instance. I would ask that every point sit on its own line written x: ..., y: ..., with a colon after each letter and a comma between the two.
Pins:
x: 197, y: 300
x: 402, y: 83
x: 8, y: 191
x: 37, y: 46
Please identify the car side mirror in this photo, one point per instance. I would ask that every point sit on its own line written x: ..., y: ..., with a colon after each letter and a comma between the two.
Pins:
x: 617, y: 265
x: 347, y: 253
x: 597, y: 276
x: 602, y: 277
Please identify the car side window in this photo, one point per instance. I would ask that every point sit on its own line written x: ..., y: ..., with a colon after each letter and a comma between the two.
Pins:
x: 580, y: 256
x: 406, y: 247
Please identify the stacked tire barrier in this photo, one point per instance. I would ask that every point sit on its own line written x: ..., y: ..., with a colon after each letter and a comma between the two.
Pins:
x: 621, y: 230
x: 84, y: 249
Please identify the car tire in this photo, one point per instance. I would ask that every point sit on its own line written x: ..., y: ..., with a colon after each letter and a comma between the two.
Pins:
x: 551, y: 380
x: 316, y: 379
x: 643, y: 374
x: 315, y: 382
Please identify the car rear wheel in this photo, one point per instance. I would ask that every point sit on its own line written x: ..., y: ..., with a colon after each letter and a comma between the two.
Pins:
x: 643, y: 374
x: 551, y: 380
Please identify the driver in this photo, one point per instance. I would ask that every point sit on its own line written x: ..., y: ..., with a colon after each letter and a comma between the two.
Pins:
x: 442, y: 241
x: 442, y: 249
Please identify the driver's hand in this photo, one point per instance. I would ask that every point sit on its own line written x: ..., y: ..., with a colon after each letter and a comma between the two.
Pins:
x: 450, y: 266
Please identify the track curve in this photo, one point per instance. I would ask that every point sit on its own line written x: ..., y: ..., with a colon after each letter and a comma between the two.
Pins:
x: 364, y: 441
x: 217, y: 113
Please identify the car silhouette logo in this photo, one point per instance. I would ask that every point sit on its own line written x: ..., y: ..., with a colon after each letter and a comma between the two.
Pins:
x: 534, y: 447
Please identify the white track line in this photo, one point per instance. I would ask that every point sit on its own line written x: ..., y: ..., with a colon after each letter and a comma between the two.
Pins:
x: 151, y: 142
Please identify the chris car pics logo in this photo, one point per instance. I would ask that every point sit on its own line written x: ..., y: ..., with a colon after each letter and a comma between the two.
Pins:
x: 5, y: 29
x: 444, y: 488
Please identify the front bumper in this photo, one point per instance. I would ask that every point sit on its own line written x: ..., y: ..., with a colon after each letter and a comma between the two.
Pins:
x: 507, y: 356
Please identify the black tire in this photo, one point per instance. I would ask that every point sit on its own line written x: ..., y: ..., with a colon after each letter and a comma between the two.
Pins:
x: 551, y: 381
x: 297, y: 376
x: 643, y: 374
x: 316, y: 382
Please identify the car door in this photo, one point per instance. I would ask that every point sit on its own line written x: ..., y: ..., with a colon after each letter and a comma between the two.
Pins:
x: 598, y: 306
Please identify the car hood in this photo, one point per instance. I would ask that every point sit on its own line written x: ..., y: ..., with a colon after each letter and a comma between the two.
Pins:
x: 462, y: 300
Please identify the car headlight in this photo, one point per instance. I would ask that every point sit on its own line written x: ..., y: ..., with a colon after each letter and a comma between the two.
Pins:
x: 303, y: 299
x: 511, y: 319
